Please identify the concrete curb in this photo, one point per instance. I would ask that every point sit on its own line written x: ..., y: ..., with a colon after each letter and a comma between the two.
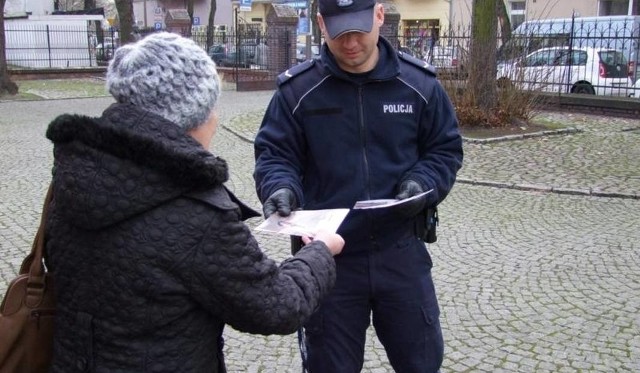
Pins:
x: 562, y: 131
x: 549, y: 189
x: 238, y: 135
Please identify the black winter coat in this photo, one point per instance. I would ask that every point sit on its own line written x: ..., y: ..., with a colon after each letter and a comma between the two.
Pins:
x: 150, y: 255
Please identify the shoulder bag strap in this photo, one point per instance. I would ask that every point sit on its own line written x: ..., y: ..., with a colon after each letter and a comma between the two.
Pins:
x: 32, y: 264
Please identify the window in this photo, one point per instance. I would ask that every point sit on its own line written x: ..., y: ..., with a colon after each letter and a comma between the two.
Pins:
x: 542, y: 58
x: 578, y: 58
x: 516, y: 20
x: 613, y: 7
x: 517, y: 10
x: 420, y: 35
x: 612, y: 58
x: 518, y: 5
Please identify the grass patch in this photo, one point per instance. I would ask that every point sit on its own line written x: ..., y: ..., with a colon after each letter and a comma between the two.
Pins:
x: 21, y: 96
x: 58, y: 88
x: 537, y: 123
x: 548, y: 123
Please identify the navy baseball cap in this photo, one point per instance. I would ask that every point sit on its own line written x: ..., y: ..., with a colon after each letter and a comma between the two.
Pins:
x: 342, y: 16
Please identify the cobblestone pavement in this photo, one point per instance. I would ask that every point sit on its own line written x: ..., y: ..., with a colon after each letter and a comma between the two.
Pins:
x: 536, y: 263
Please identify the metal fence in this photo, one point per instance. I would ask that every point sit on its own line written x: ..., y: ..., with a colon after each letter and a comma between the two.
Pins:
x: 255, y: 57
x: 251, y: 58
x: 55, y: 46
x: 46, y: 46
x: 561, y: 56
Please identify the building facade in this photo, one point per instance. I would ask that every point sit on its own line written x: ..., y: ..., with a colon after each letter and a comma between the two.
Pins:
x: 525, y: 10
x: 419, y: 19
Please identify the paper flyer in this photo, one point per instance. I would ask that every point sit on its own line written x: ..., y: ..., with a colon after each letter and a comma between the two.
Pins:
x: 384, y: 203
x: 308, y: 222
x: 304, y: 222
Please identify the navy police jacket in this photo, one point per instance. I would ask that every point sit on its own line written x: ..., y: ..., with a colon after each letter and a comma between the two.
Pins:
x: 335, y: 138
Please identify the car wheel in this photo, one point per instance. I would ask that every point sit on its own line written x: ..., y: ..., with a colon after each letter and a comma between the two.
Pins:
x: 584, y: 89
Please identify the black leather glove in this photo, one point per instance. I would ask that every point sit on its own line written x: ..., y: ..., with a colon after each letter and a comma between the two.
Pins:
x: 282, y: 200
x: 409, y: 188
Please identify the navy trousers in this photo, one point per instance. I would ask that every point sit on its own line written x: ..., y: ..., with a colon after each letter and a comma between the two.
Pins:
x: 391, y: 286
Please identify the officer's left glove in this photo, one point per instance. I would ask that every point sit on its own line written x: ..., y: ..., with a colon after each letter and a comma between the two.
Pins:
x: 409, y: 188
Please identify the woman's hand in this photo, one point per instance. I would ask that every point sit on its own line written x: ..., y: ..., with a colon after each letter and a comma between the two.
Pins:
x: 334, y: 241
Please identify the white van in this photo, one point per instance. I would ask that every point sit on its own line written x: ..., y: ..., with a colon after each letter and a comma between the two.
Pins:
x: 621, y: 33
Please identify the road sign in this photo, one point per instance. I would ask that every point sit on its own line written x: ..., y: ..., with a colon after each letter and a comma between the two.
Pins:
x: 245, y: 5
x: 157, y: 25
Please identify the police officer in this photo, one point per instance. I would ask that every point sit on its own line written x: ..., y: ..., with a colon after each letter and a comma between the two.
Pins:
x: 364, y: 122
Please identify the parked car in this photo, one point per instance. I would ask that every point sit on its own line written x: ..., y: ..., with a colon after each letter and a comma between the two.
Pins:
x: 406, y: 50
x: 229, y: 56
x: 585, y: 70
x: 447, y: 60
x: 611, y: 32
x: 301, y: 52
x: 104, y: 52
x: 217, y: 52
x: 635, y: 91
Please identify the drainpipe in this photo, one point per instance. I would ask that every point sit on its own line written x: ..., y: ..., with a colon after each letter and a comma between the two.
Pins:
x: 450, y: 13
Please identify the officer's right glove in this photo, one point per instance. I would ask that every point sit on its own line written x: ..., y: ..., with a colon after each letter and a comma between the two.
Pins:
x: 282, y: 200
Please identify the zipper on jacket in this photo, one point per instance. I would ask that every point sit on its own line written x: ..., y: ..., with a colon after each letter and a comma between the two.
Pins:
x: 363, y: 138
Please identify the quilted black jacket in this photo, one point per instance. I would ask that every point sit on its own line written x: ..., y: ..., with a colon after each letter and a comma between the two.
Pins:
x: 150, y: 254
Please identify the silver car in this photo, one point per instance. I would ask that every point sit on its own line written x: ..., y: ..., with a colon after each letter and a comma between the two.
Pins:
x: 447, y: 60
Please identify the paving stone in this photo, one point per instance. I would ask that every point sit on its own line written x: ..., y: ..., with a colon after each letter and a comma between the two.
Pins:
x: 529, y: 279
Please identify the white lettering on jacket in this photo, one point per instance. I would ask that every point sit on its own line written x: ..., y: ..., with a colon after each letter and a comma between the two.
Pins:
x: 397, y: 108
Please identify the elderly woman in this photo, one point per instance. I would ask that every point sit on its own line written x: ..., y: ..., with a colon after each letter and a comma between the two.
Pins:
x: 149, y: 251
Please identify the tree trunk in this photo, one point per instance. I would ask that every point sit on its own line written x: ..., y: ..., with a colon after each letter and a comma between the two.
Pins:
x: 313, y: 16
x: 211, y: 24
x: 190, y: 11
x: 505, y: 22
x: 6, y: 85
x: 125, y: 17
x: 482, y: 76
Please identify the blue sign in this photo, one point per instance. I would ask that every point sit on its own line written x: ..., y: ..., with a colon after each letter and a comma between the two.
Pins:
x: 245, y: 5
x: 303, y: 22
x: 157, y: 25
x: 196, y: 21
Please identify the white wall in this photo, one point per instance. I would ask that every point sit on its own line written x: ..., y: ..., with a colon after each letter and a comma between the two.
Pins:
x: 50, y: 42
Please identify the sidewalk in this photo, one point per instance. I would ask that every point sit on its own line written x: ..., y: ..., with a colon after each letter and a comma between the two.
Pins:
x: 529, y: 280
